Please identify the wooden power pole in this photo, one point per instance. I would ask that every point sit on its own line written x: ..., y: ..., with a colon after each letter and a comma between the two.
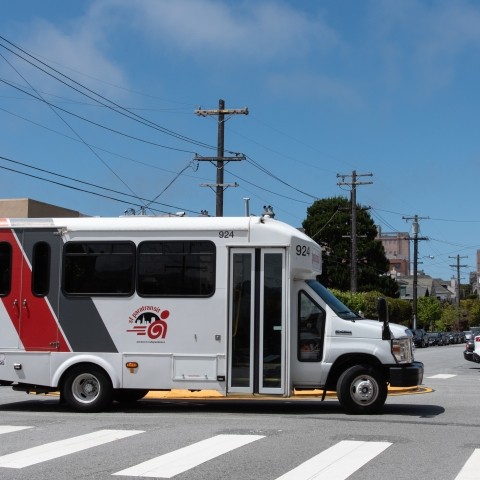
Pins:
x: 353, y: 223
x: 220, y: 159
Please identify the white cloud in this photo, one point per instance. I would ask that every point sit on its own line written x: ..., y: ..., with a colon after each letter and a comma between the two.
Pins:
x: 315, y: 87
x: 254, y: 30
x: 77, y: 50
x: 425, y: 40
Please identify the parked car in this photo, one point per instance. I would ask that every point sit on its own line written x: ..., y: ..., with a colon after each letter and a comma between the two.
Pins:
x: 420, y: 338
x: 469, y: 348
x: 440, y: 338
x: 444, y: 337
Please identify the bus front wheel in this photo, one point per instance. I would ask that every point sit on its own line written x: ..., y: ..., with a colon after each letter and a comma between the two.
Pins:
x: 362, y: 389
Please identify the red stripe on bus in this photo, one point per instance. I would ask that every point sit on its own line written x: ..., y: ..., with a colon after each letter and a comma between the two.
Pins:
x: 31, y: 316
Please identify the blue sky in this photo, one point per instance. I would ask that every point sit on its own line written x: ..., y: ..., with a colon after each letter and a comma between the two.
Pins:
x: 385, y: 87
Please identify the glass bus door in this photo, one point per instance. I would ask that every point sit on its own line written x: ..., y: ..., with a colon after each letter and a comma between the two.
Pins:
x: 257, y: 353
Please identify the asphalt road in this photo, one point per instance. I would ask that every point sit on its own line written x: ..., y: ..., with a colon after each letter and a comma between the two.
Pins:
x: 428, y: 436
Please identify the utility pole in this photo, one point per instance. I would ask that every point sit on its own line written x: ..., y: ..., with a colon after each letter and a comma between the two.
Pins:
x: 458, y: 257
x: 416, y: 238
x: 353, y: 221
x: 220, y: 159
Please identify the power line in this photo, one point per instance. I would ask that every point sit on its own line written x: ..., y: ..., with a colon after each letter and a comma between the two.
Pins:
x: 131, y: 137
x: 85, y: 183
x: 73, y: 130
x: 119, y: 109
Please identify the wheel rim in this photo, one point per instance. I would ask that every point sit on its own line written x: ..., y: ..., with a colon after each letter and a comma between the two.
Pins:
x: 86, y: 388
x: 364, y: 390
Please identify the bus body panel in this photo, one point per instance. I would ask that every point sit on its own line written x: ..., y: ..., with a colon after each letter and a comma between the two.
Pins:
x: 244, y: 320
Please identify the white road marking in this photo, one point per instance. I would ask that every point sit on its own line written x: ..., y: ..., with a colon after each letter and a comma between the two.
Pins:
x: 337, y: 462
x: 48, y: 451
x: 442, y: 375
x: 183, y: 459
x: 11, y: 428
x: 471, y: 468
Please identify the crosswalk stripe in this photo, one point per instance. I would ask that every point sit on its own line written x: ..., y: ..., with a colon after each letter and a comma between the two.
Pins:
x: 11, y: 428
x: 337, y: 462
x: 442, y: 375
x: 471, y: 468
x: 178, y: 461
x: 49, y: 451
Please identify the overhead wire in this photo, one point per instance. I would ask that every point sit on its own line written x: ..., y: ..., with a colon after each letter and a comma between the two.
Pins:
x: 132, y: 137
x: 118, y: 108
x: 73, y: 130
x: 23, y: 164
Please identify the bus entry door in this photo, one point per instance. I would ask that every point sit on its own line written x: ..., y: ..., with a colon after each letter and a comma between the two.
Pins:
x: 257, y: 353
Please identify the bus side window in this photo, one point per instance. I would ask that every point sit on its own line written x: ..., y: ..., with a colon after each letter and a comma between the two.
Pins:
x: 99, y: 268
x: 41, y: 269
x: 176, y: 268
x: 311, y: 322
x: 5, y: 268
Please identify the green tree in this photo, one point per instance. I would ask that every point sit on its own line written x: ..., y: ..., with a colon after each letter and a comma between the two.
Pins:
x: 429, y: 311
x: 449, y: 319
x: 473, y: 308
x: 328, y: 223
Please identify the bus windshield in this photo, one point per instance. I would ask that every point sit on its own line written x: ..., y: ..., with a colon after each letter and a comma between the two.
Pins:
x: 333, y: 302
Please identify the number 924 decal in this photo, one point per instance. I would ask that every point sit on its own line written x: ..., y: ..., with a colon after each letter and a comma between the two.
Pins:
x: 302, y: 250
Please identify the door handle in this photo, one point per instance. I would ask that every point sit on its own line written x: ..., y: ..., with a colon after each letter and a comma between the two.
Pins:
x: 15, y: 306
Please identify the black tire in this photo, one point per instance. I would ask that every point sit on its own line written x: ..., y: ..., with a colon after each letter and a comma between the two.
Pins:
x: 129, y: 395
x: 87, y: 388
x: 362, y: 389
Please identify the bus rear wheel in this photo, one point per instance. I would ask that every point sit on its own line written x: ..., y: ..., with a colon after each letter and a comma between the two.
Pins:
x: 362, y: 389
x: 87, y: 389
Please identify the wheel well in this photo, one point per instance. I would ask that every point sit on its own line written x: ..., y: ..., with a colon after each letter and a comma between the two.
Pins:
x: 346, y: 361
x: 85, y: 365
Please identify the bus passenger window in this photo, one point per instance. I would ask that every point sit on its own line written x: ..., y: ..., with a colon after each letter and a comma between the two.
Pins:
x: 41, y: 269
x: 99, y: 268
x: 176, y: 268
x: 5, y: 268
x: 311, y: 322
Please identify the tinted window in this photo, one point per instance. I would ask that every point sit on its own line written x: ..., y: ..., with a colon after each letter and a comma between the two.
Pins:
x: 41, y: 269
x: 176, y: 268
x: 99, y: 268
x: 311, y: 320
x: 5, y: 268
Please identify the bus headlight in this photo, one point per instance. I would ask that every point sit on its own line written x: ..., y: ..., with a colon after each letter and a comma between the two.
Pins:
x: 402, y: 350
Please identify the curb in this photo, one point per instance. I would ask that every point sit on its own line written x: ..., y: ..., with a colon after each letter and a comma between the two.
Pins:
x: 302, y: 394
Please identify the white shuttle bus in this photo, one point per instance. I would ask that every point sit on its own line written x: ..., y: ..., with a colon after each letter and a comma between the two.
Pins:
x: 105, y: 309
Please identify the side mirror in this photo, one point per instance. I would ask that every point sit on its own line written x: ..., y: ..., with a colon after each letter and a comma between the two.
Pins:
x: 382, y: 310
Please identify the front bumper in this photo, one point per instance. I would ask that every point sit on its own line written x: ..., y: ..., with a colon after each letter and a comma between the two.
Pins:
x: 468, y: 355
x: 405, y: 376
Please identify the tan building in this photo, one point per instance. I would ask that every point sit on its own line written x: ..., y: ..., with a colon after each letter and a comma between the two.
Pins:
x: 28, y: 208
x: 397, y: 251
